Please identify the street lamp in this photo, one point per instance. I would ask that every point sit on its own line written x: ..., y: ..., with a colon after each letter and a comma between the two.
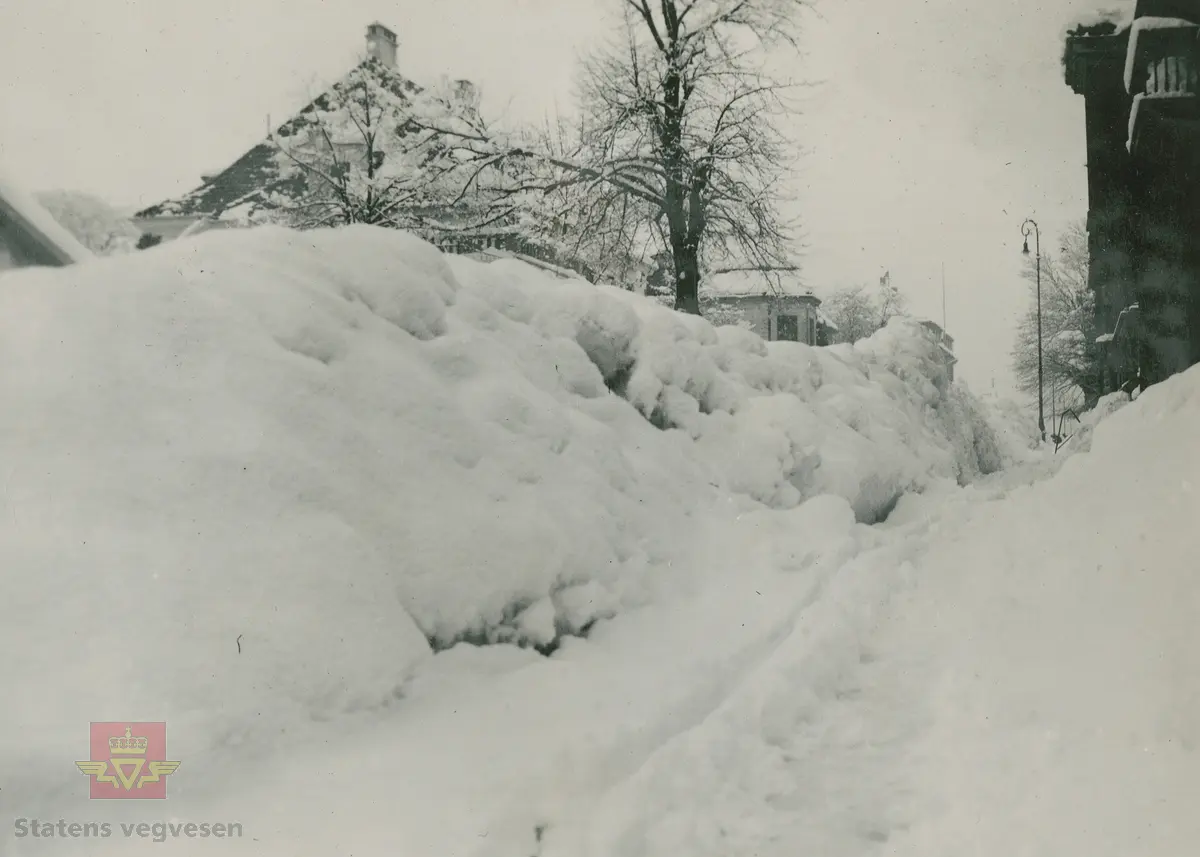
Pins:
x: 1027, y: 227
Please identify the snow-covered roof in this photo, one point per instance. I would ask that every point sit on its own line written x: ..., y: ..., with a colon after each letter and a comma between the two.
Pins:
x: 256, y: 177
x: 488, y: 254
x: 731, y: 284
x: 38, y: 226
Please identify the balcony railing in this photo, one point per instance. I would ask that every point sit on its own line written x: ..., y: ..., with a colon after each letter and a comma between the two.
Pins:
x: 1162, y: 73
x: 1161, y: 58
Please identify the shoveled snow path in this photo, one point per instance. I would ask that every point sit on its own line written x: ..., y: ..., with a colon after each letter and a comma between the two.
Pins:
x: 818, y: 751
x: 1035, y: 690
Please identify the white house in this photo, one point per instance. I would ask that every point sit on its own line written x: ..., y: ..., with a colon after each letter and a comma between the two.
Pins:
x: 776, y: 306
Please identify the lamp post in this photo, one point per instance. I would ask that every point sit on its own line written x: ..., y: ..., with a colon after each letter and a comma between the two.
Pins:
x: 1031, y: 226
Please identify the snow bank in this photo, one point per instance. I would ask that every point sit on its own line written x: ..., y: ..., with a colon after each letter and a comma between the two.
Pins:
x: 1081, y: 435
x: 252, y: 479
x: 779, y: 422
x: 1071, y: 657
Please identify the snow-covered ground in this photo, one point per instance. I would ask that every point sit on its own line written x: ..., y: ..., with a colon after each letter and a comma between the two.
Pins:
x: 258, y: 485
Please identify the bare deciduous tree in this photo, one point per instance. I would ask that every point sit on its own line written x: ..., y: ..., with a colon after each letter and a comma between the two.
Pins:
x: 1071, y: 357
x: 584, y: 218
x: 685, y: 111
x: 680, y: 122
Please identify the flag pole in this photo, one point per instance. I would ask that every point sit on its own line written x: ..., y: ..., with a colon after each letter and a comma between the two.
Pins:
x: 943, y: 295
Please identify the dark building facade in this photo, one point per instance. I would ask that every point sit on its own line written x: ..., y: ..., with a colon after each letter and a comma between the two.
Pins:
x: 1139, y: 82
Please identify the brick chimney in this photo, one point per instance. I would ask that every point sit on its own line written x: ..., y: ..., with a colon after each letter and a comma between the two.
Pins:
x: 381, y: 44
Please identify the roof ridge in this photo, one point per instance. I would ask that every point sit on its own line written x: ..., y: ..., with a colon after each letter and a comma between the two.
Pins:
x: 256, y: 159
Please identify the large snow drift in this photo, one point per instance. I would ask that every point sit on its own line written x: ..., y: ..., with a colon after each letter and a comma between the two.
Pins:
x: 251, y: 479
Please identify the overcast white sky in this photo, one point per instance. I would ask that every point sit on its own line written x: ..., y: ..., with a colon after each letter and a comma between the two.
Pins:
x: 940, y: 126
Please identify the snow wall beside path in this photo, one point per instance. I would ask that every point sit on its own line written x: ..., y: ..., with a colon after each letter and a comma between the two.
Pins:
x: 253, y: 477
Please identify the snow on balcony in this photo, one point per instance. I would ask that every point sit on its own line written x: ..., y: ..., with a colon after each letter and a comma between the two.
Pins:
x: 1144, y: 98
x: 1165, y: 49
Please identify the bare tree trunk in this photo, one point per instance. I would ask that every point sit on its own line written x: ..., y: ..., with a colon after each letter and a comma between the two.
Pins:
x: 687, y: 278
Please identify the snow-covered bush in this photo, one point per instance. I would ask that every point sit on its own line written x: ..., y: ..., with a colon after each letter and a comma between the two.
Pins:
x: 93, y: 222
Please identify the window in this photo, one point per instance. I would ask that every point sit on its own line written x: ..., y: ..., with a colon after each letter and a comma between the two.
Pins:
x: 787, y: 328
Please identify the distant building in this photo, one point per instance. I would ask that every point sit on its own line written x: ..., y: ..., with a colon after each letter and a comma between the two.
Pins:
x: 945, y: 343
x: 775, y: 306
x: 1138, y: 74
x: 30, y: 236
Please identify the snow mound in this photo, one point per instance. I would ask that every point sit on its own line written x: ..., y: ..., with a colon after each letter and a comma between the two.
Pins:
x: 1077, y: 630
x: 257, y: 476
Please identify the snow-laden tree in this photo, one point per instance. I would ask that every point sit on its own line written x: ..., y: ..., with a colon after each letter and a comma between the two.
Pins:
x: 355, y: 156
x: 587, y: 220
x: 859, y: 311
x: 1071, y: 358
x: 679, y: 147
x: 684, y: 115
x: 92, y: 221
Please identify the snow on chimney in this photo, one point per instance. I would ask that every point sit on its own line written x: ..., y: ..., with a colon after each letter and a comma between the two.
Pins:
x: 381, y: 44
